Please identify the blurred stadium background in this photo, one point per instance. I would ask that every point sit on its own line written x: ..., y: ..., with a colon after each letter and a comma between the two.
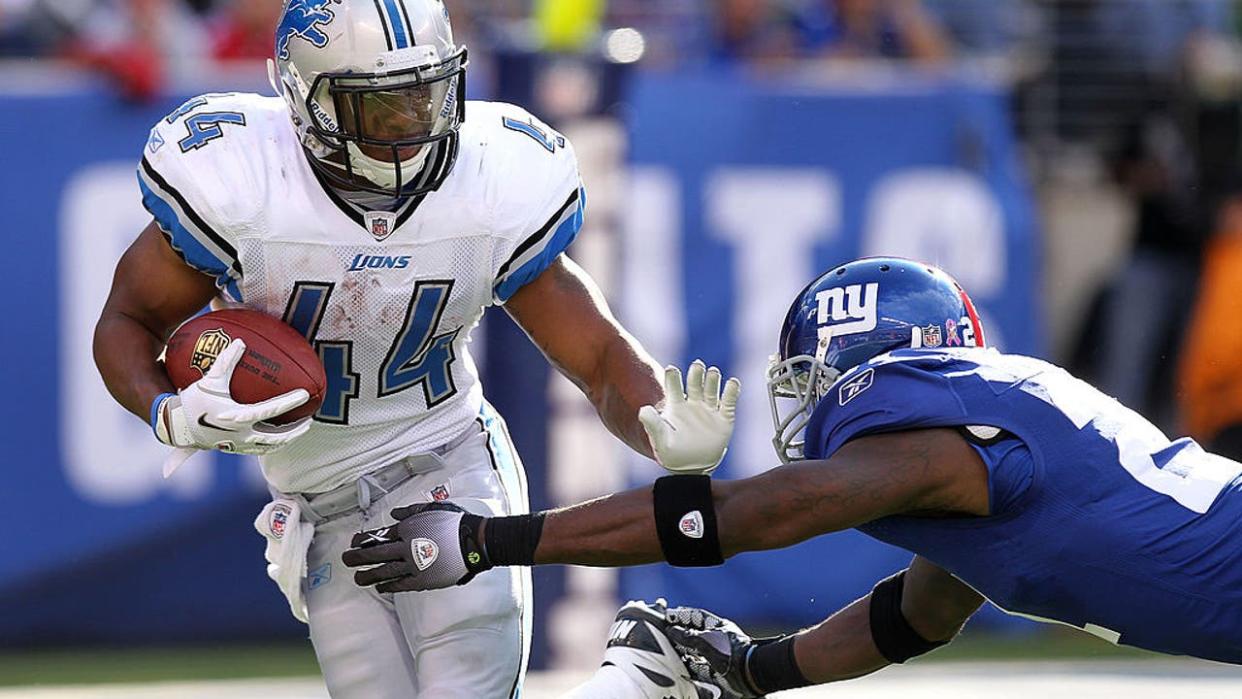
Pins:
x: 1074, y: 163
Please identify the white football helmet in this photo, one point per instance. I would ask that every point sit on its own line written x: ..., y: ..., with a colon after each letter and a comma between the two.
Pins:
x: 376, y: 90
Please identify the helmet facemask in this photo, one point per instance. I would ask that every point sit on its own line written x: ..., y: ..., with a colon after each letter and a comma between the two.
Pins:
x: 796, y: 384
x: 379, y: 129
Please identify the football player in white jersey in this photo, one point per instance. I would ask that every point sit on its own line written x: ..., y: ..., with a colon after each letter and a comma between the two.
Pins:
x: 376, y: 211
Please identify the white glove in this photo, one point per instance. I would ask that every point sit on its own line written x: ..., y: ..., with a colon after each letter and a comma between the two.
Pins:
x: 691, y: 433
x: 204, y: 415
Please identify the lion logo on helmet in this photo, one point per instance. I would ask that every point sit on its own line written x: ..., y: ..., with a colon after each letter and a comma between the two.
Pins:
x: 303, y: 18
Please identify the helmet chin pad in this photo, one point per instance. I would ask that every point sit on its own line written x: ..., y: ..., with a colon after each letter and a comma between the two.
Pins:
x: 383, y: 173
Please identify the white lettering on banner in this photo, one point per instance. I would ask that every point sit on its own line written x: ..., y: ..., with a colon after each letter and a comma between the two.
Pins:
x: 773, y: 219
x: 110, y: 457
x: 943, y: 216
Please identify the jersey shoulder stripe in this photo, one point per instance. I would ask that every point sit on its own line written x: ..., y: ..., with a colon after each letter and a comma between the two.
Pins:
x: 530, y: 187
x: 536, y: 253
x: 205, y: 176
x: 189, y: 235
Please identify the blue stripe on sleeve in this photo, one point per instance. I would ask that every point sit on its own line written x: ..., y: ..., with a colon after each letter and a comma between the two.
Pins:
x: 183, y: 241
x: 557, y: 244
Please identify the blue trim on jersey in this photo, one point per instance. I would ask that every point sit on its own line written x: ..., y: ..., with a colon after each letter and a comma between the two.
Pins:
x: 533, y: 131
x: 557, y: 244
x: 498, y: 444
x: 398, y: 28
x: 185, y: 243
x: 233, y: 290
x: 513, y: 482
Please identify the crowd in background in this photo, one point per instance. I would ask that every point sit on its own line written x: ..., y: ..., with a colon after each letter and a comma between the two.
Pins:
x: 1150, y: 87
x: 161, y: 36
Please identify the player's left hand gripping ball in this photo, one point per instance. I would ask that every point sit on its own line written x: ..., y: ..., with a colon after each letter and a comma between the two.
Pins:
x: 432, y: 546
x: 690, y: 434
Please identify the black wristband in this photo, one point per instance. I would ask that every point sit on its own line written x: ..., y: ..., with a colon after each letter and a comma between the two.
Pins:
x: 772, y: 667
x: 685, y: 521
x: 511, y: 541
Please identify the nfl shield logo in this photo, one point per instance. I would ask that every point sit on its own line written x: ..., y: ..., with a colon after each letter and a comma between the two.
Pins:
x: 208, y: 346
x: 440, y: 493
x: 691, y: 524
x: 380, y: 224
x: 425, y: 553
x: 280, y: 520
x: 931, y: 336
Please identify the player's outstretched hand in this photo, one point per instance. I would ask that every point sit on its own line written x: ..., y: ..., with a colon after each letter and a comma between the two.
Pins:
x: 714, y: 649
x: 431, y: 546
x: 690, y: 434
x: 204, y: 415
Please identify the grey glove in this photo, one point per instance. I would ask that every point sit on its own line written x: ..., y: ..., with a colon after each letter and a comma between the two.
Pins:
x: 714, y: 649
x: 432, y: 546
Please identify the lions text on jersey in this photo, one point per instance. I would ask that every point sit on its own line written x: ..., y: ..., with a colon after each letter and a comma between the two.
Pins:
x: 387, y: 298
x: 1097, y: 519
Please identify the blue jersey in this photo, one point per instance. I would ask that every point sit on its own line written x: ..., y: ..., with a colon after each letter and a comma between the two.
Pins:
x: 1097, y: 519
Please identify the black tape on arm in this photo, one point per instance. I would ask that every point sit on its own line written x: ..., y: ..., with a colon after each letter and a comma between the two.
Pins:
x: 685, y: 520
x: 511, y: 541
x: 896, y: 640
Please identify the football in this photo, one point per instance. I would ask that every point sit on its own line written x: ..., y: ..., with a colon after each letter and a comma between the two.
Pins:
x: 277, y: 360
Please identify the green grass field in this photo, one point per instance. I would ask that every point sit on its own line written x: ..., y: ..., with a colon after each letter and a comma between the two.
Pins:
x: 108, y: 665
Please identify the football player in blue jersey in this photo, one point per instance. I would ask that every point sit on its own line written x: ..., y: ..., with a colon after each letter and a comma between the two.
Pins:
x: 1009, y: 479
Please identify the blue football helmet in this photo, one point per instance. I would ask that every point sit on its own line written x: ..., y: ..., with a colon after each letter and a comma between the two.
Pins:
x: 857, y: 311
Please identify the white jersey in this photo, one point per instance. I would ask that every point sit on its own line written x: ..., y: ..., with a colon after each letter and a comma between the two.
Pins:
x: 389, y: 300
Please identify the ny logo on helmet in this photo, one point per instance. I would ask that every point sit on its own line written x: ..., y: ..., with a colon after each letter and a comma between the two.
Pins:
x: 846, y: 310
x: 302, y: 18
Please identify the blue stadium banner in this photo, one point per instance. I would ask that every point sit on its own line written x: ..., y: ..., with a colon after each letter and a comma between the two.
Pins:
x: 98, y: 546
x: 742, y: 192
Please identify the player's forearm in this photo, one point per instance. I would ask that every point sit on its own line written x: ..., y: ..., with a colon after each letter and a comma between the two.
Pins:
x: 627, y: 379
x: 778, y: 508
x: 615, y: 530
x: 125, y: 354
x: 790, y: 504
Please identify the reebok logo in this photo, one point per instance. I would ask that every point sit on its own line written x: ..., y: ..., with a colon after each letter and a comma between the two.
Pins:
x: 425, y: 553
x: 852, y: 388
x: 379, y: 535
x: 319, y: 576
x: 361, y: 262
x: 846, y: 310
x: 691, y: 524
